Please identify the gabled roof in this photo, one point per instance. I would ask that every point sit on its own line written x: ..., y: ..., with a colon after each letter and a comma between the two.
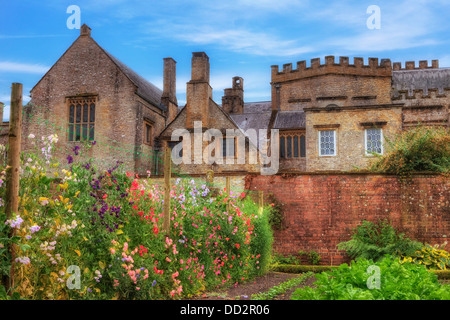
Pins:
x: 145, y: 89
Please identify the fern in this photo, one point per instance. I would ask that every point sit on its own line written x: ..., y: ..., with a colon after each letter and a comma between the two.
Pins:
x: 374, y: 240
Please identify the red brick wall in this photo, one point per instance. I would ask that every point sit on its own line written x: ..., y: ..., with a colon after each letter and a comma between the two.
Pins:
x: 321, y: 210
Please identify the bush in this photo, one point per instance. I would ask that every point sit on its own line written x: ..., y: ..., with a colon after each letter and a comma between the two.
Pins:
x: 293, y: 268
x: 416, y: 150
x: 397, y: 282
x: 312, y: 256
x: 431, y: 257
x: 374, y: 240
x: 106, y: 226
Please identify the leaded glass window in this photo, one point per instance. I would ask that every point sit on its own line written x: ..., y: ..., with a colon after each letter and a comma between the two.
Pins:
x: 327, y: 143
x: 374, y: 141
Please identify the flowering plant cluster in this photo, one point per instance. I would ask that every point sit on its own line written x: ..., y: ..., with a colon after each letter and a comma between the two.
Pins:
x: 108, y: 225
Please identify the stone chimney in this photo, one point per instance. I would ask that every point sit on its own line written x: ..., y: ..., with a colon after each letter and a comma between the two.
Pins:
x: 169, y: 97
x: 198, y: 91
x: 233, y: 100
x: 85, y: 30
x: 2, y: 106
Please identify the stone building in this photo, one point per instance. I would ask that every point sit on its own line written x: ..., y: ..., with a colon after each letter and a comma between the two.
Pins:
x: 89, y: 95
x: 208, y: 135
x: 330, y: 116
x: 344, y: 110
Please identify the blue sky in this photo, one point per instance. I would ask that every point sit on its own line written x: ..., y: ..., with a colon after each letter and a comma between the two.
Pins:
x: 242, y: 37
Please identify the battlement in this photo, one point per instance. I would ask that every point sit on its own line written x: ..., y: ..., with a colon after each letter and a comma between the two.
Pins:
x: 411, y: 65
x: 373, y: 68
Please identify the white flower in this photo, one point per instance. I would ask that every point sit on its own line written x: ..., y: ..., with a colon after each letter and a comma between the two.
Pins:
x: 31, y: 136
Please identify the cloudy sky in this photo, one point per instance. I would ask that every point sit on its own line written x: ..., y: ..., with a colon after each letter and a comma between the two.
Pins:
x: 241, y: 37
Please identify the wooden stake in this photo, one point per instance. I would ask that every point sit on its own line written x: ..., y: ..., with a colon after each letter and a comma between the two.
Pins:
x: 260, y: 201
x: 12, y: 175
x: 167, y: 176
x: 228, y: 191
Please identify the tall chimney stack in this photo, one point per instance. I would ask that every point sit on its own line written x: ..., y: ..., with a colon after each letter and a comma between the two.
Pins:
x: 199, y: 91
x: 233, y: 99
x: 169, y: 97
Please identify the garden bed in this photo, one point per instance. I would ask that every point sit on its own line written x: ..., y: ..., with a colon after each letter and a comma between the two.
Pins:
x: 260, y: 284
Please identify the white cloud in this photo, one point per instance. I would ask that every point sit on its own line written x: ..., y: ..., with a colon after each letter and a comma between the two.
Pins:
x: 241, y: 40
x: 7, y: 66
x: 404, y: 25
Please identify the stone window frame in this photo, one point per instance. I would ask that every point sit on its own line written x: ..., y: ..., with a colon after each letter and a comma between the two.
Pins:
x: 373, y: 125
x: 368, y: 153
x: 148, y: 123
x: 327, y: 127
x: 292, y: 134
x: 81, y: 100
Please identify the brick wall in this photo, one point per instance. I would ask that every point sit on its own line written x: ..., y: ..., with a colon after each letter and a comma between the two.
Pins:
x: 321, y: 210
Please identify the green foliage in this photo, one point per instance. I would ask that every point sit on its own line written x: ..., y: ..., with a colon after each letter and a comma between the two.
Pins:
x: 275, y: 215
x: 108, y: 224
x: 433, y: 257
x: 261, y: 243
x: 282, y: 288
x: 374, y: 240
x: 416, y: 150
x: 397, y: 282
x: 293, y: 268
x: 312, y: 256
x: 285, y: 259
x: 5, y: 296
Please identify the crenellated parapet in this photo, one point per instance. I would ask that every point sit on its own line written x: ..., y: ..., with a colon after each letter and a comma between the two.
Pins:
x: 374, y: 68
x: 411, y: 65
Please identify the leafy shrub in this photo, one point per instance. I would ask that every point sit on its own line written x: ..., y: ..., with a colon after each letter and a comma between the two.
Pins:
x: 432, y: 257
x: 312, y: 256
x: 398, y: 281
x: 108, y: 225
x: 275, y: 215
x: 293, y: 268
x: 374, y: 240
x: 285, y: 259
x: 415, y: 150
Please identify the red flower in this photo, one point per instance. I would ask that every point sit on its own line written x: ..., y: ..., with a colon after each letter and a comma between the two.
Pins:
x: 237, y: 245
x: 155, y: 230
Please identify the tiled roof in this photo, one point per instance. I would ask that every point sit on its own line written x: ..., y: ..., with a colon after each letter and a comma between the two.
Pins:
x: 424, y: 79
x: 289, y: 120
x: 145, y: 89
x: 256, y: 116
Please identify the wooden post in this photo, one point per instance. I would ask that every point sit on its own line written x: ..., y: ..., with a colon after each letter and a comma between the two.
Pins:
x: 228, y: 191
x: 167, y: 176
x: 260, y: 201
x: 12, y: 174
